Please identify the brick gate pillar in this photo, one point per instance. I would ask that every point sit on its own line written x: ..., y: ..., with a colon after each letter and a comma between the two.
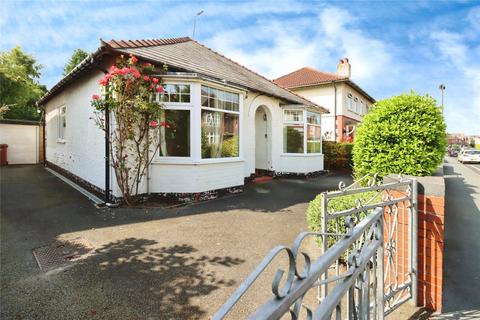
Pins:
x: 430, y: 248
x: 431, y: 219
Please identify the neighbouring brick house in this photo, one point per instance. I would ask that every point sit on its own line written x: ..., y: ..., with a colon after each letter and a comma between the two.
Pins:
x: 457, y: 138
x: 345, y: 100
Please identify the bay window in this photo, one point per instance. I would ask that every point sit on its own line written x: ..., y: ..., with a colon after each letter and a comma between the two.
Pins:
x: 314, y: 139
x: 175, y: 133
x: 174, y: 122
x: 219, y: 123
x: 296, y: 124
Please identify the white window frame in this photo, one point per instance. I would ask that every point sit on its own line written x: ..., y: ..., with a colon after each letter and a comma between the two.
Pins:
x: 355, y: 105
x: 240, y: 120
x: 350, y: 101
x: 61, y: 130
x: 189, y: 106
x: 305, y: 127
x: 318, y: 125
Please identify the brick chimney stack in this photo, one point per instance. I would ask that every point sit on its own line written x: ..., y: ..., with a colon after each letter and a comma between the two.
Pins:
x: 344, y: 69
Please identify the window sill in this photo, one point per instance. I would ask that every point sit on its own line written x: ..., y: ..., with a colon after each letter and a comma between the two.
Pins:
x: 301, y: 154
x: 62, y: 141
x: 189, y: 161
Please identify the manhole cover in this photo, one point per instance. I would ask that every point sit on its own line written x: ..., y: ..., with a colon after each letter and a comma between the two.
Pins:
x: 61, y: 253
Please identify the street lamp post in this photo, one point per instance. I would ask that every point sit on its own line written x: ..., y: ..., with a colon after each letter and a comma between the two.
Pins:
x: 442, y: 88
x: 195, y: 22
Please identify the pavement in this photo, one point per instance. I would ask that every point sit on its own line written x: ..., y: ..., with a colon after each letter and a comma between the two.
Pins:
x: 461, y: 296
x: 180, y: 263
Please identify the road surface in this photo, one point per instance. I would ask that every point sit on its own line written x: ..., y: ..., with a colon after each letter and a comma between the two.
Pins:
x: 462, y: 237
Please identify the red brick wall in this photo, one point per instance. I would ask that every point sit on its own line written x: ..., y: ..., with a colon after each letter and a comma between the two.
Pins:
x: 431, y: 214
x: 431, y: 218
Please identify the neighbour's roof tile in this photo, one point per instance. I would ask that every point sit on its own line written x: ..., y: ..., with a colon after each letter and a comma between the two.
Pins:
x: 305, y: 77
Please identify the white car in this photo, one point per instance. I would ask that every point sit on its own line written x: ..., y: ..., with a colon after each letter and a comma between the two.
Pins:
x: 469, y: 156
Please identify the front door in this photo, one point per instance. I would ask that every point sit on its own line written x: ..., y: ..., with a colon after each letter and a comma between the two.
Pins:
x: 262, y: 140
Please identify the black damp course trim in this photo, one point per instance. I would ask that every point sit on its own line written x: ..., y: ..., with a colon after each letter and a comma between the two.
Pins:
x: 292, y: 175
x: 179, y: 199
x: 145, y: 199
x: 99, y: 192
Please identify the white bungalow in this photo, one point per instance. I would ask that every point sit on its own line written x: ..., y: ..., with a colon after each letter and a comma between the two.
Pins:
x: 230, y: 122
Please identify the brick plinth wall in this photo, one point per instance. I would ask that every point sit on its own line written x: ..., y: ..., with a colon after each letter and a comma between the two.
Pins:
x: 431, y: 218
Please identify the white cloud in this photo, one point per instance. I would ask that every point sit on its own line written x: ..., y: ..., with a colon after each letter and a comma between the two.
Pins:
x: 275, y: 48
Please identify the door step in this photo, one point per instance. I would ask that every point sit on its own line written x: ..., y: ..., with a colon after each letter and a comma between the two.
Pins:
x: 262, y: 179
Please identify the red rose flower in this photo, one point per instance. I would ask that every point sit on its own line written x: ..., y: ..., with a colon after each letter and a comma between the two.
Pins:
x: 104, y: 81
x: 155, y: 80
x: 160, y: 89
x: 95, y: 97
x: 146, y: 78
x: 133, y: 59
x: 153, y: 124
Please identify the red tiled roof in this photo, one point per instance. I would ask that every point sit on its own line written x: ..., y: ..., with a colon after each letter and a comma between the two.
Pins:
x: 306, y: 77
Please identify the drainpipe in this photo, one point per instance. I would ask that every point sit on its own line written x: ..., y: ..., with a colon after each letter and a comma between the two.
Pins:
x: 334, y: 111
x: 43, y: 137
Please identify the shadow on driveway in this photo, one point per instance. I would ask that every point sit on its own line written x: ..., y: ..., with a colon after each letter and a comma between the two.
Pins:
x: 149, y: 263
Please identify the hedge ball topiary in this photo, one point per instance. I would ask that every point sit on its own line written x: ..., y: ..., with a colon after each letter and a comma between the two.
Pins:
x: 404, y: 134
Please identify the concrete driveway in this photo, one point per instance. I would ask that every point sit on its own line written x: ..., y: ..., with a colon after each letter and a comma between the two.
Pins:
x: 146, y: 263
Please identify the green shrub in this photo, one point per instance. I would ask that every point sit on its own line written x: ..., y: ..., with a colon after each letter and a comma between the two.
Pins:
x: 230, y: 147
x: 341, y: 152
x: 404, y: 134
x: 314, y: 212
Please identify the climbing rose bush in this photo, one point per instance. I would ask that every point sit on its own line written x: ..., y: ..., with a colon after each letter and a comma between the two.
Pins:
x: 128, y: 92
x: 404, y: 134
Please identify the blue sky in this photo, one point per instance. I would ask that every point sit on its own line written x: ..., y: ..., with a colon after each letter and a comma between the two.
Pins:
x: 393, y: 46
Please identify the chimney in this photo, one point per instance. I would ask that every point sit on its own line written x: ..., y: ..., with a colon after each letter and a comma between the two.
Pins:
x: 344, y: 69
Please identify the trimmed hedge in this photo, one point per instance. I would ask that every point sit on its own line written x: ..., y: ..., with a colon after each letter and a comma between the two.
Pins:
x: 404, y: 134
x: 337, y: 154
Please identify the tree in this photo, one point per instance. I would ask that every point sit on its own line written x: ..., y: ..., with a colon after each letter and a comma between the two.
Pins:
x: 404, y: 134
x: 19, y: 87
x: 78, y: 56
x: 128, y: 92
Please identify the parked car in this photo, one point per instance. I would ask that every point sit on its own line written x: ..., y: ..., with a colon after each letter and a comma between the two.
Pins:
x: 469, y: 156
x: 453, y: 153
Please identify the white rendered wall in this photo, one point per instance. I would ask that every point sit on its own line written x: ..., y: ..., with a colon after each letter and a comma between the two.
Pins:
x: 82, y: 153
x: 23, y: 142
x: 325, y: 97
x: 192, y: 178
x: 300, y: 163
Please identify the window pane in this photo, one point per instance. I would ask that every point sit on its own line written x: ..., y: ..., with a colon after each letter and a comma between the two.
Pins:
x: 175, y: 133
x: 293, y: 139
x: 185, y: 98
x: 174, y: 96
x: 235, y: 103
x: 313, y: 139
x: 204, y: 101
x: 219, y: 134
x: 293, y: 115
x: 313, y: 118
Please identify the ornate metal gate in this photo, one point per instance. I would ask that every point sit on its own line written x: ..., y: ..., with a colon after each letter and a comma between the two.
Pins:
x: 368, y: 264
